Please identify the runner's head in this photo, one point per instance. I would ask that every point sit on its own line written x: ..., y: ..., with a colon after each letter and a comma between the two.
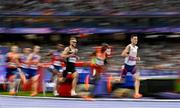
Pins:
x: 27, y: 50
x: 134, y: 39
x: 104, y: 47
x: 73, y: 41
x: 14, y: 48
x: 36, y: 49
x: 60, y: 46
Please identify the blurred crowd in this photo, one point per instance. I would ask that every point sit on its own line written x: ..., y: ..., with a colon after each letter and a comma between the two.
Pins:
x: 89, y: 6
x: 86, y: 22
x: 154, y: 53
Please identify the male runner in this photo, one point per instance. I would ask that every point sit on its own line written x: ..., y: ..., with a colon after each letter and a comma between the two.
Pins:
x: 70, y: 53
x: 56, y: 68
x: 33, y: 61
x: 12, y: 68
x: 130, y: 54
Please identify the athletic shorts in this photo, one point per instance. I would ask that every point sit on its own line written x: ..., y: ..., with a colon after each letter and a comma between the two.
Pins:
x: 128, y: 68
x: 11, y: 71
x: 70, y: 68
x: 29, y: 73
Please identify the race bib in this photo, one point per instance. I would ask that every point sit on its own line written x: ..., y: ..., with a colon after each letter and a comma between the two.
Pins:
x: 131, y: 58
x: 57, y: 63
x: 99, y: 62
x: 33, y: 67
x: 72, y: 59
x: 24, y: 65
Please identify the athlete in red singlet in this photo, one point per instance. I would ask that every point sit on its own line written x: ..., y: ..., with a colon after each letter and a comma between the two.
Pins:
x: 56, y: 67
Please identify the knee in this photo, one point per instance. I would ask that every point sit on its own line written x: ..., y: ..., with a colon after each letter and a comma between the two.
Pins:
x: 137, y: 78
x: 75, y: 75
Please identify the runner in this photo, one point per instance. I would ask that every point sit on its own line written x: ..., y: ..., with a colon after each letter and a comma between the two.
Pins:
x: 12, y: 68
x: 131, y: 57
x: 70, y: 53
x: 99, y: 60
x: 56, y: 68
x: 24, y: 63
x: 33, y: 61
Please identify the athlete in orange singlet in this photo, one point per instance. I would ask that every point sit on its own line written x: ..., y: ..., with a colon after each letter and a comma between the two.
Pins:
x: 99, y: 60
x: 12, y: 68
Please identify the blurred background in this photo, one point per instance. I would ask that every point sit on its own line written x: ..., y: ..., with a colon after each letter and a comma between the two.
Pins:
x: 156, y: 22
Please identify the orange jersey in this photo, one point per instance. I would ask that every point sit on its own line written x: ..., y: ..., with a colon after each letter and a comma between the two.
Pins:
x: 56, y: 59
x: 13, y: 60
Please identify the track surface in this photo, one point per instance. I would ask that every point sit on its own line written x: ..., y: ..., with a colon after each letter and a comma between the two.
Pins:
x: 23, y: 102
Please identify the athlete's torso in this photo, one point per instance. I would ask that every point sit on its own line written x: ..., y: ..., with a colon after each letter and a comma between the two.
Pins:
x: 13, y: 58
x: 56, y: 58
x: 34, y: 61
x: 130, y: 60
x: 23, y: 61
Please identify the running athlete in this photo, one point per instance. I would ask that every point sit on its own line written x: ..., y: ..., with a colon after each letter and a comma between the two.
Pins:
x: 130, y: 54
x: 24, y: 63
x: 70, y: 53
x: 33, y: 61
x: 12, y: 68
x: 100, y: 60
x: 56, y: 68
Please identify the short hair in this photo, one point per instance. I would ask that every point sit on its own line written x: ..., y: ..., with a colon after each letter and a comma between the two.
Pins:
x: 73, y: 38
x: 133, y: 35
x: 36, y: 46
x: 105, y: 45
x: 61, y: 45
x: 26, y: 47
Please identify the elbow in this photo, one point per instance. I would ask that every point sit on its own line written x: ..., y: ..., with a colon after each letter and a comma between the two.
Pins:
x: 64, y: 56
x: 124, y: 55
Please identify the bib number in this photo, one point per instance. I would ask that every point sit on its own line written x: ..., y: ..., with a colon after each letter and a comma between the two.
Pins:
x: 99, y: 62
x: 57, y: 63
x: 72, y: 59
x: 33, y: 67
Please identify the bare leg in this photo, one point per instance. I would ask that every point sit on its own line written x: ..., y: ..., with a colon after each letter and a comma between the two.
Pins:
x: 74, y: 83
x: 35, y: 83
x: 12, y: 85
x: 55, y: 80
x: 137, y: 86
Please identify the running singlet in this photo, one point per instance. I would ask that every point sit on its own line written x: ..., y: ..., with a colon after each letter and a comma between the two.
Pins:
x: 130, y: 60
x: 72, y: 59
x: 56, y: 58
x: 23, y: 60
x: 34, y: 61
x: 12, y: 60
x: 99, y: 61
x: 100, y: 57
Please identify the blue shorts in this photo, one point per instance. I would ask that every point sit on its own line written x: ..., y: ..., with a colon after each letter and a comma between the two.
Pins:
x: 29, y: 73
x: 128, y: 68
x: 11, y: 71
